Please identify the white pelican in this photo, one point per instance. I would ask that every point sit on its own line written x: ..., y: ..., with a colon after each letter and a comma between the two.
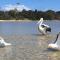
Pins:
x: 3, y: 43
x: 42, y: 27
x: 56, y: 44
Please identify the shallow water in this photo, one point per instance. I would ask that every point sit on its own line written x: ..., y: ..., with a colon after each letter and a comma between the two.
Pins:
x: 27, y: 42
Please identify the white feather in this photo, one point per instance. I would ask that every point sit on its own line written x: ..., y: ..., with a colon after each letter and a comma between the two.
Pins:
x: 42, y: 29
x: 3, y: 43
x: 56, y: 45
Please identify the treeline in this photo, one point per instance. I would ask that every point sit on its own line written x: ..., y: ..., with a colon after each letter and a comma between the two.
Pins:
x: 31, y: 15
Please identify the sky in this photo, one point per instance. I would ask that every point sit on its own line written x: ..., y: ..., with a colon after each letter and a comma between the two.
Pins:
x: 34, y: 4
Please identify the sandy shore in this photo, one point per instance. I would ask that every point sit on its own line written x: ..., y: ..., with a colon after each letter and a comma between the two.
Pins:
x: 28, y: 47
x: 15, y: 20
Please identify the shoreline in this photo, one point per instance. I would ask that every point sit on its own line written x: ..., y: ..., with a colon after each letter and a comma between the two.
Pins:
x: 24, y: 20
x: 15, y: 20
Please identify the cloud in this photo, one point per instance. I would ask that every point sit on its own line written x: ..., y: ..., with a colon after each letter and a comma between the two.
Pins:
x: 12, y: 7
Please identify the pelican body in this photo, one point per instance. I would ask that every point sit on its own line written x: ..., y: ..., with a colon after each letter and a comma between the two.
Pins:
x: 3, y: 43
x: 42, y: 27
x: 56, y: 44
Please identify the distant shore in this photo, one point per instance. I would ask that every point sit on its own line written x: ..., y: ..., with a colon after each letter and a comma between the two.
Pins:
x: 22, y: 20
x: 15, y: 20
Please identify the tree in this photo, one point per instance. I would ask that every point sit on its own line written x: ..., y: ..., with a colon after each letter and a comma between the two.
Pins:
x: 50, y: 14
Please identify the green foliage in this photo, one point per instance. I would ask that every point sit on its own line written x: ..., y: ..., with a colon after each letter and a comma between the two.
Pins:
x: 31, y: 15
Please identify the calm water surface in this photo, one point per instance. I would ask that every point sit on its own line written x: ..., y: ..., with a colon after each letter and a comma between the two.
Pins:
x: 8, y: 28
x: 27, y: 42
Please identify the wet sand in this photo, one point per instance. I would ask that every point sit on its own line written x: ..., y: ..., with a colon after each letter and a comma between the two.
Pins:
x: 28, y: 47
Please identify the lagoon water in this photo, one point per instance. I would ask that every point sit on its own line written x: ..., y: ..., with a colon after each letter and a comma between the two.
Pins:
x: 9, y: 28
x: 27, y: 42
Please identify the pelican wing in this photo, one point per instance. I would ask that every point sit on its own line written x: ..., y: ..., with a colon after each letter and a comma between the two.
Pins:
x: 45, y: 25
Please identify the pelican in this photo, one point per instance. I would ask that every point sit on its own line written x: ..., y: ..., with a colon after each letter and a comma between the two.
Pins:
x: 3, y: 43
x: 56, y: 44
x: 42, y: 27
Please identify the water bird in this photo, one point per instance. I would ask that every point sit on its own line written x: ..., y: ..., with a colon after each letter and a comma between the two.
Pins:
x: 3, y: 43
x: 43, y: 28
x: 56, y: 44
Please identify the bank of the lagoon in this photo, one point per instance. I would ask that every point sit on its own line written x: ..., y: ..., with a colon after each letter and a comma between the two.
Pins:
x: 27, y: 42
x: 25, y: 20
x: 15, y: 20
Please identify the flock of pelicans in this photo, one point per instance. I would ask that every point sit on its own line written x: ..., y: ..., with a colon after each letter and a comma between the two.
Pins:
x: 43, y: 29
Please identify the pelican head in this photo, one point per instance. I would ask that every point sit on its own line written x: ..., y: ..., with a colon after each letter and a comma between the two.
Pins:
x: 40, y: 21
x: 3, y: 43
